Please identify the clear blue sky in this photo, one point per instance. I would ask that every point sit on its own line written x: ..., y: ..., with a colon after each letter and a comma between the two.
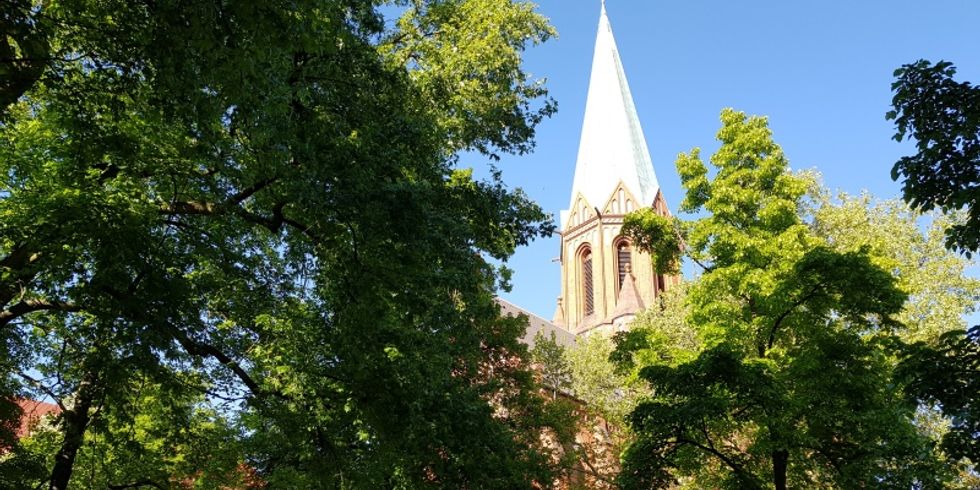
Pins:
x: 821, y: 71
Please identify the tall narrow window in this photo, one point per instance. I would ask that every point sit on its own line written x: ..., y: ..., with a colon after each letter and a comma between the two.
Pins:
x: 588, y: 300
x: 623, y: 260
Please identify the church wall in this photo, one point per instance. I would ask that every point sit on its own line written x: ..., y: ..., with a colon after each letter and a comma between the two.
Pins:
x: 602, y: 237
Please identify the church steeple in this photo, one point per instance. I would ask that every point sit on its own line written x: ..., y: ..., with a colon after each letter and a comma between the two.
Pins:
x: 612, y: 147
x: 605, y: 281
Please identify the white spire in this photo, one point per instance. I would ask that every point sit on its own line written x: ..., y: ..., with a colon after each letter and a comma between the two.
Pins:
x: 612, y: 147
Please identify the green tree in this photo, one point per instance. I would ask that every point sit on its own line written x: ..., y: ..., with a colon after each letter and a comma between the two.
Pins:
x: 152, y: 439
x: 264, y: 197
x: 660, y: 334
x: 942, y: 115
x: 793, y: 382
x: 596, y: 382
x: 940, y: 292
x: 947, y: 373
x: 563, y: 410
x: 604, y: 369
x: 940, y: 296
x: 553, y: 367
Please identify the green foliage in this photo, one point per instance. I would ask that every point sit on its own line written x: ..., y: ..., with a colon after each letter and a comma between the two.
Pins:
x: 940, y: 293
x: 259, y: 202
x: 946, y: 374
x: 468, y: 59
x: 562, y: 409
x: 651, y: 231
x: 942, y: 115
x: 596, y: 381
x: 24, y: 47
x: 658, y: 335
x: 549, y: 356
x: 940, y: 297
x: 153, y: 438
x: 790, y: 382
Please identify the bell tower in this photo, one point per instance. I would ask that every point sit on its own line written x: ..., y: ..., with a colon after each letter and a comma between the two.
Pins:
x: 605, y: 281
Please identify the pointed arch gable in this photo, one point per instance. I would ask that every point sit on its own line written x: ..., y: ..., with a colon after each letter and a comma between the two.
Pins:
x: 580, y: 212
x: 621, y: 201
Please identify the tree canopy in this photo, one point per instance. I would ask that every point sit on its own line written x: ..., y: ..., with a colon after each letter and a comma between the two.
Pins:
x: 942, y: 115
x: 791, y: 382
x: 254, y: 208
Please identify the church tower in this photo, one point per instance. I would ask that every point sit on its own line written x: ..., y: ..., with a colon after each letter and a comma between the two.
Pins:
x: 605, y: 281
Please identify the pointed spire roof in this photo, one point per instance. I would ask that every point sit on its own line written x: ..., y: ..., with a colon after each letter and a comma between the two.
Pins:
x: 559, y: 318
x: 629, y: 301
x: 612, y: 147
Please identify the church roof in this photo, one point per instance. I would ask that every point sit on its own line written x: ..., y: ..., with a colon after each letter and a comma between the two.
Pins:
x: 612, y: 146
x: 537, y: 324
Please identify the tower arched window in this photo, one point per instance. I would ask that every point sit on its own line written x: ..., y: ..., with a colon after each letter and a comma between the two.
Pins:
x: 624, y: 260
x: 588, y: 292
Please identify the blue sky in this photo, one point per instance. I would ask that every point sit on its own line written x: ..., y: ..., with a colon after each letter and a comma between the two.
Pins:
x: 821, y: 72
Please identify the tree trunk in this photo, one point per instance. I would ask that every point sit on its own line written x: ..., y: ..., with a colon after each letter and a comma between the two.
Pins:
x: 780, y: 459
x: 76, y: 421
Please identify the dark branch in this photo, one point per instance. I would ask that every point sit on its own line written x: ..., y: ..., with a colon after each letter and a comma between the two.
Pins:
x: 31, y: 305
x: 250, y: 191
x: 201, y: 349
x: 20, y: 263
x: 737, y: 468
x: 779, y: 320
x: 272, y: 223
x: 707, y: 268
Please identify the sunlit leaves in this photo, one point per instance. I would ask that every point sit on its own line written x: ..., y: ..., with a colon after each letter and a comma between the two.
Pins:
x: 789, y: 380
x: 260, y: 197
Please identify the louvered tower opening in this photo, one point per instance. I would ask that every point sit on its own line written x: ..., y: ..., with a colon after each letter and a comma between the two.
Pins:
x: 623, y: 260
x: 588, y: 302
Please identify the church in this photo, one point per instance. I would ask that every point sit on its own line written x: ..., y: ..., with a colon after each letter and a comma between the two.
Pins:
x: 605, y: 280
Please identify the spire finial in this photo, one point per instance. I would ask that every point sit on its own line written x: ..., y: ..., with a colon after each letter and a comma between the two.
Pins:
x: 603, y: 6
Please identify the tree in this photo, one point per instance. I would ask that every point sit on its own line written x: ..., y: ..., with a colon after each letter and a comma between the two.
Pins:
x: 595, y: 380
x: 603, y: 368
x: 943, y: 117
x: 660, y: 334
x: 549, y: 356
x: 263, y: 197
x: 793, y: 382
x: 940, y: 296
x: 947, y: 373
x: 153, y: 439
x: 910, y: 245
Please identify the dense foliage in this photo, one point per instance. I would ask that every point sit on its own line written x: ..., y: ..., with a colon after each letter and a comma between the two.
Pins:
x: 947, y: 374
x: 942, y: 115
x: 240, y: 225
x: 790, y: 382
